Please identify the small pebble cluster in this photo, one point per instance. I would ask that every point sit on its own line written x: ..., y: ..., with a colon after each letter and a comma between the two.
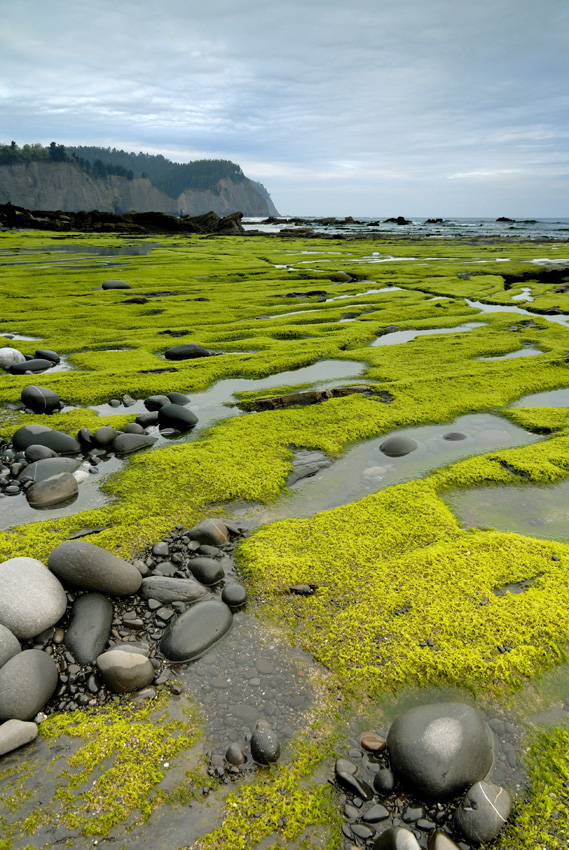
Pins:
x: 429, y: 783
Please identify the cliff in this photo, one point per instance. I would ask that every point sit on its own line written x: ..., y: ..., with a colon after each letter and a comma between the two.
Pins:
x: 63, y: 186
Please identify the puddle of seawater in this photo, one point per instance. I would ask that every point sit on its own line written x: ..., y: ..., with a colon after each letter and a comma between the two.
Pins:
x: 504, y: 308
x: 364, y: 469
x: 15, y: 335
x: 524, y: 295
x: 549, y: 398
x: 367, y: 292
x: 528, y: 351
x: 538, y: 510
x: 398, y: 337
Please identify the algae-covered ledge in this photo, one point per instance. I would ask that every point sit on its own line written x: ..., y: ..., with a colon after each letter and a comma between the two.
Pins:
x: 404, y: 596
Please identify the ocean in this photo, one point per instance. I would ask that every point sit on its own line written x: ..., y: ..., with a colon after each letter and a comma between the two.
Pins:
x: 419, y: 227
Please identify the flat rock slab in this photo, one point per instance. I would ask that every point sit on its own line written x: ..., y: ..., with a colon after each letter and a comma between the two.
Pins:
x: 16, y: 733
x: 27, y: 681
x: 90, y: 627
x: 166, y: 589
x: 440, y: 749
x: 196, y: 630
x: 82, y: 565
x: 32, y: 599
x: 124, y: 672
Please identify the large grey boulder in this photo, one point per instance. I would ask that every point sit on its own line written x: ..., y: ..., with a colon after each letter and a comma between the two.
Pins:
x: 9, y: 645
x: 90, y: 627
x: 10, y: 356
x: 27, y: 681
x: 439, y: 750
x: 39, y: 399
x: 166, y: 589
x: 188, y: 351
x: 483, y: 812
x: 124, y: 672
x: 32, y: 599
x: 82, y: 565
x: 198, y: 628
x: 212, y: 532
x: 41, y: 435
x: 16, y: 733
x: 39, y: 470
x: 53, y: 491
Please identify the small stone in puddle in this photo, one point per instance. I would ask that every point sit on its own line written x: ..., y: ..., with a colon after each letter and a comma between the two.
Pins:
x: 398, y: 446
x: 454, y: 436
x: 265, y: 746
x: 372, y: 742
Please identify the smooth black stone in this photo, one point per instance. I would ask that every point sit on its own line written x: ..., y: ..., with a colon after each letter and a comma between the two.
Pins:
x: 235, y: 755
x: 165, y: 589
x: 52, y: 491
x: 116, y: 284
x: 27, y: 681
x: 155, y: 402
x: 133, y: 428
x: 454, y: 436
x: 147, y: 419
x: 84, y: 566
x: 187, y: 352
x: 90, y: 627
x: 35, y: 365
x: 396, y: 838
x: 128, y: 443
x: 48, y: 354
x: 354, y: 785
x: 104, y: 436
x: 483, y: 812
x: 86, y: 436
x: 345, y: 766
x: 34, y: 453
x: 234, y: 595
x: 206, y: 570
x: 384, y: 782
x: 176, y: 416
x: 398, y: 446
x: 40, y: 435
x: 265, y: 746
x: 39, y: 470
x: 196, y: 630
x: 39, y: 399
x: 375, y: 814
x: 178, y: 398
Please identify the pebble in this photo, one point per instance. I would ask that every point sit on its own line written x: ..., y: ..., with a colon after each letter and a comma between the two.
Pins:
x: 15, y: 734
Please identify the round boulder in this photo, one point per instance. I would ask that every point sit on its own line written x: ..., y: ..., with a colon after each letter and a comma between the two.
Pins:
x: 84, y: 566
x: 124, y: 672
x: 206, y: 570
x: 398, y: 446
x: 212, y: 532
x: 27, y: 681
x: 16, y: 733
x: 10, y: 357
x: 187, y: 352
x: 33, y: 600
x: 39, y: 399
x: 52, y: 491
x: 265, y: 746
x: 176, y: 416
x: 438, y: 750
x: 155, y: 402
x: 198, y: 628
x: 9, y: 645
x: 104, y: 436
x: 90, y: 627
x: 41, y: 435
x: 178, y: 398
x: 483, y: 812
x: 48, y: 354
x: 116, y: 284
x: 34, y: 453
x: 234, y: 595
x: 39, y: 470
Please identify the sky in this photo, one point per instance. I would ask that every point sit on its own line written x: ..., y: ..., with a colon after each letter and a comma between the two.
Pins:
x: 436, y: 108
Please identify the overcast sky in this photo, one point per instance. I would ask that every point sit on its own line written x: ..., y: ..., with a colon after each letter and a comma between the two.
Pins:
x: 340, y: 107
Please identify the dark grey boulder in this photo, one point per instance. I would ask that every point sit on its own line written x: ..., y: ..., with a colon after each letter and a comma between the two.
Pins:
x: 34, y: 453
x: 354, y: 785
x: 10, y: 357
x: 116, y: 284
x: 147, y: 419
x: 165, y: 589
x: 206, y: 570
x: 39, y: 399
x: 125, y: 444
x: 265, y: 746
x: 176, y: 416
x: 124, y: 672
x: 133, y: 428
x: 104, y: 436
x: 234, y: 595
x: 234, y: 755
x: 396, y: 838
x: 384, y: 781
x: 178, y: 398
x: 187, y: 352
x: 438, y: 750
x: 483, y: 812
x: 48, y: 354
x: 196, y: 630
x: 40, y: 435
x: 85, y: 436
x: 82, y: 565
x: 155, y: 402
x: 35, y: 365
x: 398, y: 446
x: 32, y: 599
x: 39, y: 470
x: 90, y: 627
x: 9, y: 645
x: 212, y: 532
x: 15, y: 734
x: 52, y: 491
x: 27, y: 681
